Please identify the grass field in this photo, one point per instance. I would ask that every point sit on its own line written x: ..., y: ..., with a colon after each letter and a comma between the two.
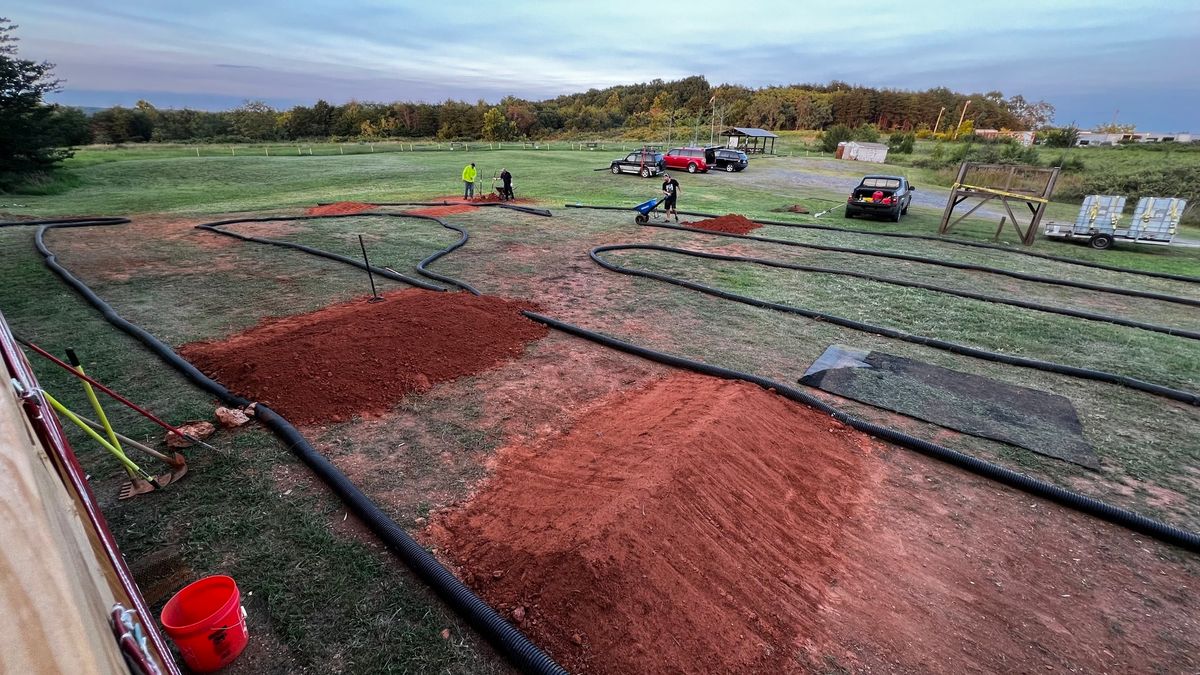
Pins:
x: 325, y: 595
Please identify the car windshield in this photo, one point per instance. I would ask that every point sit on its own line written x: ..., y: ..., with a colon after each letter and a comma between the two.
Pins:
x: 888, y: 183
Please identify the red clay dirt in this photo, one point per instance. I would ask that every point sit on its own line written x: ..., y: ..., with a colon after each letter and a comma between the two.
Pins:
x: 691, y: 526
x: 360, y: 358
x: 443, y: 210
x: 339, y: 209
x: 731, y: 223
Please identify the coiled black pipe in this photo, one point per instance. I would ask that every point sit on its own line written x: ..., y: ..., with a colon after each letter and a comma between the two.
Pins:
x: 507, y: 639
x: 1113, y: 514
x: 926, y: 237
x: 1163, y: 531
x: 1120, y: 321
x: 512, y: 207
x: 384, y: 272
x: 1048, y: 366
x: 70, y: 221
x: 1115, y: 290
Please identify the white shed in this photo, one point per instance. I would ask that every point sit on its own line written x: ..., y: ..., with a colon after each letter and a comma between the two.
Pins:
x: 862, y: 151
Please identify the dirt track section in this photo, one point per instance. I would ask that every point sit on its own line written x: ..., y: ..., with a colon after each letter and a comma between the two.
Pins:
x: 360, y: 358
x: 700, y: 526
x: 339, y: 209
x: 692, y: 526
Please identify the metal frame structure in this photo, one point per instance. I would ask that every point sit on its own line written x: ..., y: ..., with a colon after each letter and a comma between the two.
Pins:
x: 752, y: 147
x: 1007, y: 183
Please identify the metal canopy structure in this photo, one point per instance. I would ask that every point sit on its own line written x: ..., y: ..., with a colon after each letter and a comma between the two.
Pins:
x: 749, y: 138
x: 1008, y: 184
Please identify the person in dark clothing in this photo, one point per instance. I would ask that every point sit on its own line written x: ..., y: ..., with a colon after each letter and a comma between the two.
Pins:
x: 506, y: 191
x: 670, y: 188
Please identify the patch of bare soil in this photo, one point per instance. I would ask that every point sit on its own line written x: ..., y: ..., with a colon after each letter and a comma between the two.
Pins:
x: 339, y: 209
x: 359, y: 358
x: 690, y: 527
x: 149, y: 246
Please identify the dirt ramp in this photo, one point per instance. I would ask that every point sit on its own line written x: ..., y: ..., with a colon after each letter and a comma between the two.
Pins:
x: 693, y: 526
x: 731, y: 223
x: 361, y: 358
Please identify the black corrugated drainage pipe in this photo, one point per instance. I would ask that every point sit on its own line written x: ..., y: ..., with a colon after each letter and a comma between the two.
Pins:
x: 1024, y: 304
x: 506, y: 638
x: 1048, y: 366
x: 926, y: 237
x: 1134, y: 521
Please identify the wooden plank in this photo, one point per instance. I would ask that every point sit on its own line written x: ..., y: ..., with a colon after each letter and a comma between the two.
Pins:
x: 54, y: 590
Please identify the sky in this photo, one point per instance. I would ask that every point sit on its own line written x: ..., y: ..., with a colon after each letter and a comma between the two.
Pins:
x: 1093, y: 60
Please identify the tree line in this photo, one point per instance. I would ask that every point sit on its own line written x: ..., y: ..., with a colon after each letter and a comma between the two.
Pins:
x: 645, y: 110
x: 35, y: 135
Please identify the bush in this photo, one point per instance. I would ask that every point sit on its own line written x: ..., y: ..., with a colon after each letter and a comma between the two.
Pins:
x: 866, y: 133
x: 838, y: 133
x: 1060, y: 138
x: 1068, y: 163
x: 902, y: 143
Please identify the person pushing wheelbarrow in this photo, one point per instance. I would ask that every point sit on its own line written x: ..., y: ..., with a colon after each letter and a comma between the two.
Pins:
x: 670, y: 190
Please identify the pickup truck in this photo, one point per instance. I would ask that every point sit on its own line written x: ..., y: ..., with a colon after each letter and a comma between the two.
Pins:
x: 887, y: 196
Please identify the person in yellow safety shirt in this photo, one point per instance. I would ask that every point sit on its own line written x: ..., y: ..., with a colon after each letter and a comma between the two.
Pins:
x: 468, y: 176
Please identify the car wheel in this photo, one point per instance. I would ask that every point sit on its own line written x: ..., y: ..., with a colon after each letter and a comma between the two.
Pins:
x: 1101, y: 241
x: 894, y: 216
x: 847, y: 214
x: 645, y: 173
x: 616, y: 169
x: 729, y: 168
x: 904, y: 211
x: 691, y: 167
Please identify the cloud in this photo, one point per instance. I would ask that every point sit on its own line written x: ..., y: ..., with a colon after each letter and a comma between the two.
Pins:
x: 1080, y: 51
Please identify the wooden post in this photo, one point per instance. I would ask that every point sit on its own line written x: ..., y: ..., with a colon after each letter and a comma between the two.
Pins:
x: 953, y: 200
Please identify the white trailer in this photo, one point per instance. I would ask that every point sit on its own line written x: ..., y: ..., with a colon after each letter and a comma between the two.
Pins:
x: 1155, y: 221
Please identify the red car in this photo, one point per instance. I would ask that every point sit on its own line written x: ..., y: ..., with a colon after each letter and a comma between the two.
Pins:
x: 691, y: 159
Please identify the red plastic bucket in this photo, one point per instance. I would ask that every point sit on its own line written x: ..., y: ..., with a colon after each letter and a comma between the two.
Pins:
x: 207, y: 623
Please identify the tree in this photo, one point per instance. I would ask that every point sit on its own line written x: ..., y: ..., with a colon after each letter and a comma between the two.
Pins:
x: 29, y: 139
x: 71, y: 127
x: 497, y: 127
x: 254, y: 120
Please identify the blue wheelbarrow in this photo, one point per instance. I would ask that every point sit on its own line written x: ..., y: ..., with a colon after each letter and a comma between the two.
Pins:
x: 644, y: 209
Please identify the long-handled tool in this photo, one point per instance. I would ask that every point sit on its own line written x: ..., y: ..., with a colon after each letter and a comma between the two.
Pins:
x: 141, y: 481
x: 99, y: 385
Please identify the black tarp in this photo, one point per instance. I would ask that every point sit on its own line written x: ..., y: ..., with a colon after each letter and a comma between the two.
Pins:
x: 1039, y: 421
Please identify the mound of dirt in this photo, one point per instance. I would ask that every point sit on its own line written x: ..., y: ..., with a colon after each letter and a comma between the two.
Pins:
x: 731, y: 223
x: 361, y: 358
x: 339, y: 209
x: 792, y: 208
x: 691, y: 526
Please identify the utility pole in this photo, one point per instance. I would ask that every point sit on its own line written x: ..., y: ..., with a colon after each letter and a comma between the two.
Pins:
x: 938, y: 123
x: 712, y: 134
x: 961, y: 118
